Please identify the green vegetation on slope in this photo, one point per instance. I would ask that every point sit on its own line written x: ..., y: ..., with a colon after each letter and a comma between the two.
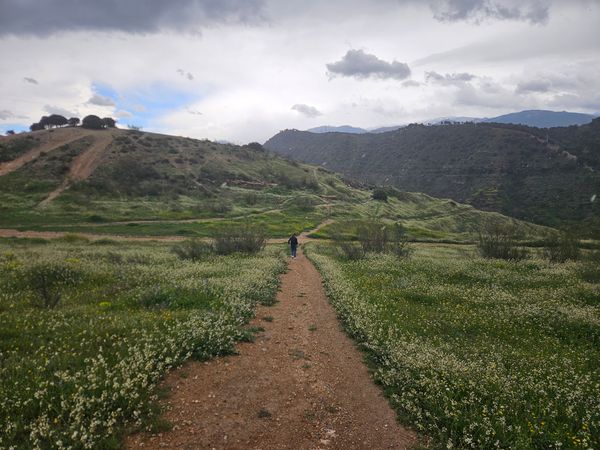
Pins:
x: 75, y: 375
x: 178, y: 186
x: 477, y: 353
x: 543, y: 176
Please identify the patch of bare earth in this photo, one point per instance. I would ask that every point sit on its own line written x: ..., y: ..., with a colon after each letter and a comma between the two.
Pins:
x: 301, y: 385
x: 83, y: 165
x: 49, y: 140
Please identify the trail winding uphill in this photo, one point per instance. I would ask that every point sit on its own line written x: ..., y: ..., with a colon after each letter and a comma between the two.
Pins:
x: 83, y: 165
x: 49, y: 140
x: 301, y: 385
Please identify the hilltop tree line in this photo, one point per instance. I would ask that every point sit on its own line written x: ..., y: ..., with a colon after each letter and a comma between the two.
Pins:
x: 56, y: 120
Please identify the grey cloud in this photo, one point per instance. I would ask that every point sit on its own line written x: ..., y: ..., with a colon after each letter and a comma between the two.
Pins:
x: 307, y: 110
x: 50, y: 109
x: 185, y: 74
x: 358, y: 64
x: 533, y: 86
x: 449, y: 78
x: 194, y: 113
x: 131, y: 16
x: 6, y: 114
x: 30, y: 80
x: 533, y: 11
x: 101, y: 100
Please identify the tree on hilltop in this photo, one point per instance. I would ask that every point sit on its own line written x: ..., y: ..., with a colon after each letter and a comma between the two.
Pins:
x: 56, y: 120
x: 92, y: 122
x: 74, y: 121
x: 36, y: 126
x: 109, y: 122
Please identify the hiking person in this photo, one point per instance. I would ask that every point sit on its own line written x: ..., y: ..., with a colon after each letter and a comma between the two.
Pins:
x: 293, y: 241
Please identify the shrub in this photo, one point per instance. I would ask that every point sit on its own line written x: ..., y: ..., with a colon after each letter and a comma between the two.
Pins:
x: 561, y: 247
x: 194, y: 250
x: 373, y: 236
x: 244, y: 238
x: 500, y: 240
x: 380, y: 194
x: 47, y: 280
x: 399, y: 245
x: 590, y: 269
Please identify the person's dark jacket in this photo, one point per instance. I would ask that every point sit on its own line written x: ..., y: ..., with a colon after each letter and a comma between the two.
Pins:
x: 293, y: 241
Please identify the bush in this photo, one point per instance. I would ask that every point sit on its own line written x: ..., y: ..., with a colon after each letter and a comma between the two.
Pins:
x: 590, y: 269
x: 47, y: 280
x: 561, y: 247
x: 500, y: 240
x: 375, y: 237
x: 194, y: 250
x: 244, y: 238
x: 380, y: 194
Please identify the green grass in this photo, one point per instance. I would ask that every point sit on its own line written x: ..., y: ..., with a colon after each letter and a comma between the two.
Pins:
x: 477, y: 353
x: 76, y: 375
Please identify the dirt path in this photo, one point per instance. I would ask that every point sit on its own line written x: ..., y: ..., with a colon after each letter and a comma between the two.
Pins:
x: 49, y: 140
x: 83, y: 165
x: 301, y: 385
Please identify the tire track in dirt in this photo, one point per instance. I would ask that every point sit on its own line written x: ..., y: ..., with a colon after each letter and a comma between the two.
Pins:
x: 301, y: 385
x: 83, y: 165
x: 51, y: 140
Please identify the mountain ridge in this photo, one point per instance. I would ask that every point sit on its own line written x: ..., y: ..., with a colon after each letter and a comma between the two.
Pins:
x: 539, y: 118
x: 546, y: 176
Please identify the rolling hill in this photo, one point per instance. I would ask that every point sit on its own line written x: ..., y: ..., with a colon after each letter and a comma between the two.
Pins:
x: 129, y: 182
x: 547, y: 176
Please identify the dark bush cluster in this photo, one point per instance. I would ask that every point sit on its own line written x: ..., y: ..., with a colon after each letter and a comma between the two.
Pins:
x: 244, y: 238
x: 375, y: 237
x: 562, y: 247
x: 500, y: 240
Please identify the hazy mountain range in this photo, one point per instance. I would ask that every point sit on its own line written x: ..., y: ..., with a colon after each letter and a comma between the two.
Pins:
x: 532, y: 118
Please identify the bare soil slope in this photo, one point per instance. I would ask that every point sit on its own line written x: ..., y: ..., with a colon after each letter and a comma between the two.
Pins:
x: 301, y: 385
x: 48, y: 142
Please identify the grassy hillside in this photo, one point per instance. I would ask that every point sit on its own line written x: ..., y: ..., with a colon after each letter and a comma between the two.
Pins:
x: 544, y: 176
x: 146, y: 184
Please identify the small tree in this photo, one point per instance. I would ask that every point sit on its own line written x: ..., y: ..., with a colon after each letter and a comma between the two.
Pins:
x: 44, y: 122
x: 92, y: 122
x: 47, y: 280
x: 36, y: 126
x: 10, y: 132
x: 74, y: 121
x: 109, y: 122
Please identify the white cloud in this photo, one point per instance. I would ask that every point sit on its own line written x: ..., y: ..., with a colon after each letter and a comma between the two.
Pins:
x: 245, y: 78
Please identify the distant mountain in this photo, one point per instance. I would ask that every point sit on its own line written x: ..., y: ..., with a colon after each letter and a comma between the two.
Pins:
x: 340, y: 129
x: 547, y: 176
x: 533, y: 118
x: 543, y: 119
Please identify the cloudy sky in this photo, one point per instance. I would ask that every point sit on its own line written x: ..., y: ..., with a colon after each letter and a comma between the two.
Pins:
x: 241, y: 70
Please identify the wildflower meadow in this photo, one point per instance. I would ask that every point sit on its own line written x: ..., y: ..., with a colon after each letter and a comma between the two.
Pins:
x: 79, y: 370
x: 476, y: 353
